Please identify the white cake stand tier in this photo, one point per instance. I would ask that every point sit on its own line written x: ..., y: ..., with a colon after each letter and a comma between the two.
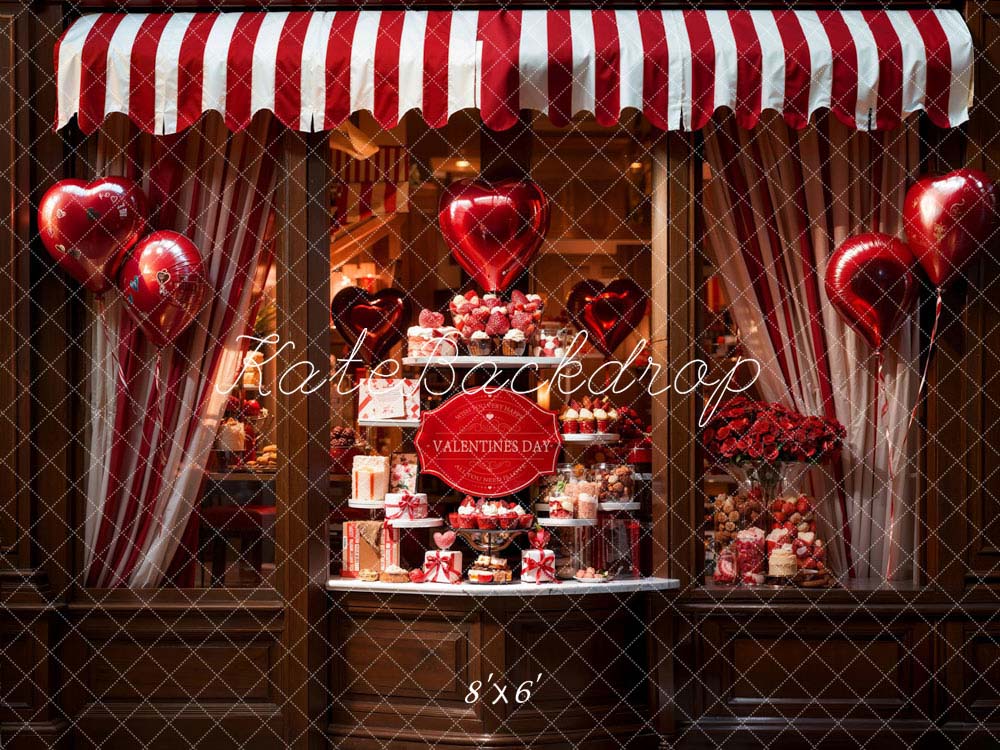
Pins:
x: 415, y: 523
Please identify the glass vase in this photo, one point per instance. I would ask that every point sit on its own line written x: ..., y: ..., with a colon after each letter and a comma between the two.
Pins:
x: 760, y: 484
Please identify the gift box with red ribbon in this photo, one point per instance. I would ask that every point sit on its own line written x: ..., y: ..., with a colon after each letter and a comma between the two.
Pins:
x: 538, y: 566
x: 405, y: 505
x: 442, y: 566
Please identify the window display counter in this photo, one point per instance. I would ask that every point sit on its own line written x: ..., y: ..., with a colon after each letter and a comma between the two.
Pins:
x: 490, y: 666
x: 516, y: 589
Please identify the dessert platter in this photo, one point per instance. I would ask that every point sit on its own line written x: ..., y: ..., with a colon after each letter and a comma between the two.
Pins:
x: 240, y: 442
x: 490, y: 569
x: 589, y: 575
x: 590, y: 418
x: 791, y: 553
x: 483, y: 327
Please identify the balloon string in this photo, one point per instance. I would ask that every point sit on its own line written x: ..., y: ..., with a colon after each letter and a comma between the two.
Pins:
x: 110, y: 340
x: 927, y: 363
x: 154, y: 400
x: 909, y: 424
x: 884, y: 411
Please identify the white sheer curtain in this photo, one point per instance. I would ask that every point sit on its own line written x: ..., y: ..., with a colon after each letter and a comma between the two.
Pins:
x: 154, y: 414
x: 777, y: 205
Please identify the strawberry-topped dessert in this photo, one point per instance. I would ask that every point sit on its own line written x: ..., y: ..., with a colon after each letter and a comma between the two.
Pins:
x: 490, y: 315
x: 794, y: 524
x: 431, y: 337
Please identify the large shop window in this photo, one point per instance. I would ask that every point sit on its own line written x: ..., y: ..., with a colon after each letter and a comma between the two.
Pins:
x: 388, y: 248
x: 776, y: 203
x: 179, y: 471
x: 801, y: 131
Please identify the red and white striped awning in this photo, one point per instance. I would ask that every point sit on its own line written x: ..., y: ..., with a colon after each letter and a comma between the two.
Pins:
x: 314, y: 69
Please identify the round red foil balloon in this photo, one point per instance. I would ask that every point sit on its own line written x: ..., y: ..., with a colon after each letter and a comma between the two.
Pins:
x: 948, y: 219
x: 870, y: 280
x: 383, y: 314
x: 608, y: 313
x: 86, y: 226
x: 494, y: 229
x: 164, y: 285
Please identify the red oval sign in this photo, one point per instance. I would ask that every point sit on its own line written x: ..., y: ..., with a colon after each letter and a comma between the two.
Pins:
x: 488, y: 443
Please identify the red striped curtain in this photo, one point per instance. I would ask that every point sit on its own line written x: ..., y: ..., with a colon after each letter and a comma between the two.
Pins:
x: 154, y: 414
x: 777, y: 205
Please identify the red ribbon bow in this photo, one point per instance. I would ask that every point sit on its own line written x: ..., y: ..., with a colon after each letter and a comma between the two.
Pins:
x: 408, y: 504
x: 545, y: 565
x: 442, y: 563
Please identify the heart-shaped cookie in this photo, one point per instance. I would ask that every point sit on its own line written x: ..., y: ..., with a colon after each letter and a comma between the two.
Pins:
x: 444, y: 539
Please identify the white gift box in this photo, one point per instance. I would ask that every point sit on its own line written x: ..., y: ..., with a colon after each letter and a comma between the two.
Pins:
x: 538, y: 566
x: 442, y: 566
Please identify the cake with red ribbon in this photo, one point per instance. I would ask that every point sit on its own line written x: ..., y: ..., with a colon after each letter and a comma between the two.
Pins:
x: 405, y: 505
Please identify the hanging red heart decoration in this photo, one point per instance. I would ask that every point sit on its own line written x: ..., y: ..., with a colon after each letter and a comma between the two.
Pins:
x: 608, y: 313
x: 382, y: 314
x: 494, y: 229
x: 948, y: 219
x: 870, y: 280
x: 86, y: 226
x: 164, y: 286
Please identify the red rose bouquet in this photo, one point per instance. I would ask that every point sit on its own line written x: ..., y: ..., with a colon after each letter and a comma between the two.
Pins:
x: 752, y: 432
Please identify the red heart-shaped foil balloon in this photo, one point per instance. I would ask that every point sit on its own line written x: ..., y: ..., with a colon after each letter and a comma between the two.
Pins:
x: 86, y: 226
x: 494, y: 229
x: 383, y: 314
x: 164, y: 285
x: 948, y: 219
x: 870, y: 280
x: 608, y: 313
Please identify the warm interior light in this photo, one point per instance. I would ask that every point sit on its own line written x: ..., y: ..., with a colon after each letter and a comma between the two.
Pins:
x: 635, y: 165
x: 545, y: 394
x: 463, y: 163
